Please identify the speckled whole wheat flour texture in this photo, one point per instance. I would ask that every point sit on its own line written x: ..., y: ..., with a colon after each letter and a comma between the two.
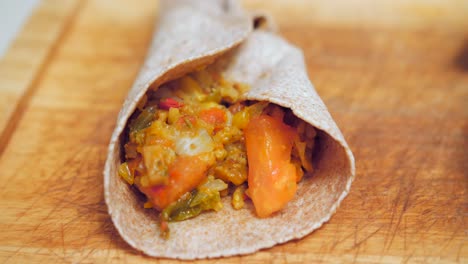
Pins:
x: 276, y: 72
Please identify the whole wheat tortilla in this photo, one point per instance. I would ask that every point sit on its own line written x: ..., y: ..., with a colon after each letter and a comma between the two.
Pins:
x: 191, y: 35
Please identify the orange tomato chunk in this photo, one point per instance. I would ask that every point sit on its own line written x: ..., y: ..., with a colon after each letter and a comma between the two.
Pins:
x: 214, y: 116
x: 272, y: 176
x: 186, y: 173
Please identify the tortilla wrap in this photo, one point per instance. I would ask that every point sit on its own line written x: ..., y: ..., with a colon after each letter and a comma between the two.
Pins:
x: 191, y: 35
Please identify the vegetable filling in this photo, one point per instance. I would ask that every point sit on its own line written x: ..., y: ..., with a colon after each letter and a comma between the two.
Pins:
x: 195, y: 140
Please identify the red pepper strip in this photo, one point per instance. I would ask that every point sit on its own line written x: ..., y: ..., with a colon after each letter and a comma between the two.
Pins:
x: 168, y: 103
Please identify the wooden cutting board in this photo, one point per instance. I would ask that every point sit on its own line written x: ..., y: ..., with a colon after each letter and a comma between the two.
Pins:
x: 394, y: 75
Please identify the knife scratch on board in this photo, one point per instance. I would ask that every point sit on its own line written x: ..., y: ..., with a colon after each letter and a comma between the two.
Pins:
x: 62, y: 232
x: 400, y: 216
x: 358, y: 229
x: 357, y: 244
x: 405, y: 190
x: 357, y: 249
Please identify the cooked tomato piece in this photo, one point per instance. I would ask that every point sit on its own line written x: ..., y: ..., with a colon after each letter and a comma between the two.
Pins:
x: 186, y: 173
x: 214, y: 116
x: 272, y: 176
x: 186, y: 121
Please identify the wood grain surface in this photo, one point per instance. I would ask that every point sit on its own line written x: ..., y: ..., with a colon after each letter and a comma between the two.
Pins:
x: 394, y: 74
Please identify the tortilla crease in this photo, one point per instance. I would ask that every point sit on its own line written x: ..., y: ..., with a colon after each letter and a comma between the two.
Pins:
x: 192, y: 35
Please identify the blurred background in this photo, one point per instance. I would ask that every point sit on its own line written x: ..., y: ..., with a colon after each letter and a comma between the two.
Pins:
x: 366, y: 13
x: 363, y: 14
x: 13, y: 14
